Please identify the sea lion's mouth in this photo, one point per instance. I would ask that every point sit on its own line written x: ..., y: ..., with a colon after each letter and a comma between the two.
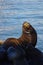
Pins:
x: 28, y: 32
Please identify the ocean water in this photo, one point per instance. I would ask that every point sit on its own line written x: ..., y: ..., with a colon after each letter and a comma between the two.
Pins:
x: 14, y: 12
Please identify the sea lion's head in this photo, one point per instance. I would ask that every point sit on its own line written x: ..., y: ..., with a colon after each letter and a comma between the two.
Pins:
x: 26, y: 27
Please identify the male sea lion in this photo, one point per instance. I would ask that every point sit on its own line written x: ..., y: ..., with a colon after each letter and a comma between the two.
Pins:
x: 29, y: 35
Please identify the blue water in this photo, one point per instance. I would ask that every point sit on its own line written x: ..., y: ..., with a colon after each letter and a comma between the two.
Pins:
x: 14, y: 12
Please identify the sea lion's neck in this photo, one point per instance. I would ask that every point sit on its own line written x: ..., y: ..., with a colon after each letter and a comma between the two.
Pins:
x: 25, y: 38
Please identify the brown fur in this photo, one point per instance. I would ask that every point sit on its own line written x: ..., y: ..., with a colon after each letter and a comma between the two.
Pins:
x: 11, y: 42
x: 25, y: 38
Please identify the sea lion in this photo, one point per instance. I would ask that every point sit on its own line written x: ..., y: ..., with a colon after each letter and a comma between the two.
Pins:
x: 29, y: 35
